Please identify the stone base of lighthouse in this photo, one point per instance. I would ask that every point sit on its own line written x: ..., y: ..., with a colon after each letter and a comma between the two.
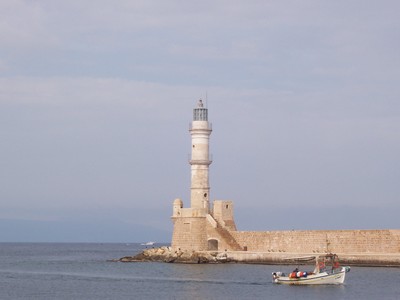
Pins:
x: 190, y: 233
x: 199, y: 230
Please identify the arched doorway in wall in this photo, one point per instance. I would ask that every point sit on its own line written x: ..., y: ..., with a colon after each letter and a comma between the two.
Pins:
x: 212, y: 245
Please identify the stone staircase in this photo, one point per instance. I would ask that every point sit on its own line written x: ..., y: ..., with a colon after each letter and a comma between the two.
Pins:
x: 228, y: 238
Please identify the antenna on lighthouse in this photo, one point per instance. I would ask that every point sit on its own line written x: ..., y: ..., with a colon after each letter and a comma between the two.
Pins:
x: 206, y: 100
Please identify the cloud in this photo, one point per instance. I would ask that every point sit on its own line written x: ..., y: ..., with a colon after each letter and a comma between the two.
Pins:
x: 281, y: 44
x: 23, y: 26
x: 96, y: 97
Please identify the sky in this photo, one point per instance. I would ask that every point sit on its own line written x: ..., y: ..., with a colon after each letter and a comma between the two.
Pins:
x: 96, y: 98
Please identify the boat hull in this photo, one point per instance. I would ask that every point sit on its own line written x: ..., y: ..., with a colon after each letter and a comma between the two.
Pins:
x: 336, y: 277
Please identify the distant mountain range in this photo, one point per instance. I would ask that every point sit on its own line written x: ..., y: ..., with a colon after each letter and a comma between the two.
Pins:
x: 14, y: 230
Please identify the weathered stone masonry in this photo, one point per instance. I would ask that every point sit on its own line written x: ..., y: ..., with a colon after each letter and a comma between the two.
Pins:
x: 321, y: 241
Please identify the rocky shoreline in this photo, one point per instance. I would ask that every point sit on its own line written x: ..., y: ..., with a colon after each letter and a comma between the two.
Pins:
x: 169, y: 255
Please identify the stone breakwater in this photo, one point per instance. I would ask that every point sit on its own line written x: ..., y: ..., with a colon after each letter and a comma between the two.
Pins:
x: 169, y: 255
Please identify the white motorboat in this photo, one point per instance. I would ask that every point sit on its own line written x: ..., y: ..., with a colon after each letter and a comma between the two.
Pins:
x: 148, y: 244
x: 327, y: 271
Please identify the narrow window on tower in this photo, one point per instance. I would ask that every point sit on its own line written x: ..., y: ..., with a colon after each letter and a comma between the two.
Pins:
x: 205, y: 195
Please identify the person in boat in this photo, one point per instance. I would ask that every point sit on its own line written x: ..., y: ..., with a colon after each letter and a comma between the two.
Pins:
x: 319, y: 266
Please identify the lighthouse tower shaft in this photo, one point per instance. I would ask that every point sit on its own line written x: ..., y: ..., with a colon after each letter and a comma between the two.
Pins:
x: 200, y: 131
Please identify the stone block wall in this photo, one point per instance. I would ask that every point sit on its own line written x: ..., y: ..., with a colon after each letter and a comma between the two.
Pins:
x: 223, y: 213
x: 190, y: 233
x: 213, y: 234
x: 319, y: 241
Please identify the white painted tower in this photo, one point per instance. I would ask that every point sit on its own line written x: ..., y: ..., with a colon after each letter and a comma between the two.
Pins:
x: 200, y: 131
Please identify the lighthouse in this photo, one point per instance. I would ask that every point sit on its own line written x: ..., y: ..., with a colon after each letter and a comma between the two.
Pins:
x: 190, y: 224
x: 201, y: 227
x: 200, y: 130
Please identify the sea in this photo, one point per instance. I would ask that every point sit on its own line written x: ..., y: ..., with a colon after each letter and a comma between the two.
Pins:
x: 86, y: 271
